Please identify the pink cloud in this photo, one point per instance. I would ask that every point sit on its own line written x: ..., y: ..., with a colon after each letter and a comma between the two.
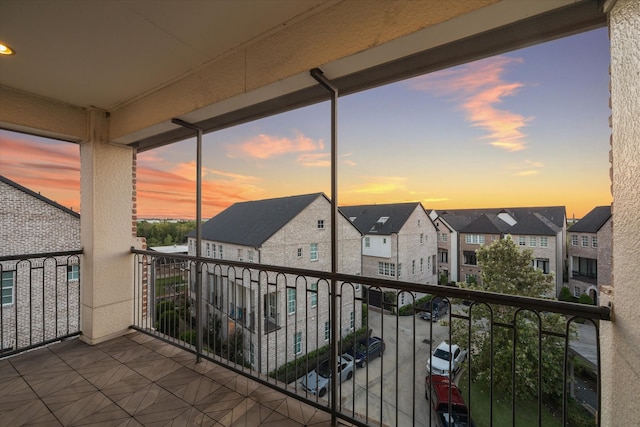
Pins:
x: 267, y: 146
x: 478, y: 88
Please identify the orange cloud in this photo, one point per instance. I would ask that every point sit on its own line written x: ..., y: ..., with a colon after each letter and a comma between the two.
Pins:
x: 478, y: 87
x: 267, y: 146
x: 315, y: 160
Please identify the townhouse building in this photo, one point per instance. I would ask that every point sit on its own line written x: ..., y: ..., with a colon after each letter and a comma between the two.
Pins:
x: 399, y: 243
x: 40, y: 294
x: 447, y: 251
x: 590, y: 253
x: 292, y: 232
x: 542, y: 230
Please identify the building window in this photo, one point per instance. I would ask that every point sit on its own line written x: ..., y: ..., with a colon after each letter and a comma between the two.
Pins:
x: 444, y: 256
x: 594, y: 242
x: 299, y: 252
x: 585, y: 241
x: 384, y: 240
x: 544, y: 242
x: 468, y: 277
x: 313, y: 252
x: 73, y: 272
x: 314, y: 294
x: 522, y: 241
x: 386, y: 269
x: 239, y: 254
x: 542, y: 264
x: 327, y: 331
x: 470, y: 258
x: 213, y: 252
x: 7, y: 287
x: 291, y: 301
x: 367, y: 242
x: 585, y: 267
x: 250, y: 255
x: 321, y: 224
x: 413, y: 266
x: 474, y: 239
x: 444, y: 237
x: 208, y: 249
x: 352, y: 320
x: 574, y: 240
x: 220, y: 250
x: 421, y: 265
x: 421, y: 238
x: 533, y: 242
x: 297, y: 343
x: 576, y: 291
x: 418, y: 223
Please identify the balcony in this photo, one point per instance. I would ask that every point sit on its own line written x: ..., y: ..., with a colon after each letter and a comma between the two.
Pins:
x: 164, y: 371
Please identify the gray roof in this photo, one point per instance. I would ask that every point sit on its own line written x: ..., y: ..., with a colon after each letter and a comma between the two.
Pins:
x: 544, y: 220
x: 253, y: 223
x: 38, y: 196
x: 593, y: 221
x: 534, y: 224
x: 367, y: 218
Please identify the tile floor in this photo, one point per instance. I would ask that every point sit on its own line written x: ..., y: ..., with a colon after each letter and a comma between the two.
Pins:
x: 137, y: 380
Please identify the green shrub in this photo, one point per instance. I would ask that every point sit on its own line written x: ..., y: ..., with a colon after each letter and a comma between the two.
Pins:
x: 565, y: 295
x: 585, y: 299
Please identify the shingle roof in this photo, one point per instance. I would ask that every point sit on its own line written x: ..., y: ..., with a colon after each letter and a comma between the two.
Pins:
x: 370, y: 219
x: 534, y: 224
x: 486, y: 224
x: 253, y: 223
x: 593, y: 221
x: 38, y: 196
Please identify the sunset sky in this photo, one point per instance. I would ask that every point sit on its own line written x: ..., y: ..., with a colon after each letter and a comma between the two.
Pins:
x: 527, y: 128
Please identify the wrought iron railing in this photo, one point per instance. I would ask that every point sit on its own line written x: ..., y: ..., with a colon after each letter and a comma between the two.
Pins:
x: 273, y: 324
x: 40, y: 299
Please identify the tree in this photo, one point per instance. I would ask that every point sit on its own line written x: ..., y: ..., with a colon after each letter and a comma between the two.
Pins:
x: 508, y: 270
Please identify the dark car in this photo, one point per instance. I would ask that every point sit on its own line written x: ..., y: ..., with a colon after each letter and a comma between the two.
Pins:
x: 366, y: 351
x: 435, y: 309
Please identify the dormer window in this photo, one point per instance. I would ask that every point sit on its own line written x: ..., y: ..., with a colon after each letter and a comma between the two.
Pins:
x: 383, y: 219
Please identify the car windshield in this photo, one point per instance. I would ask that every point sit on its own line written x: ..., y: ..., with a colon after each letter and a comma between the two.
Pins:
x: 442, y: 354
x: 323, y: 369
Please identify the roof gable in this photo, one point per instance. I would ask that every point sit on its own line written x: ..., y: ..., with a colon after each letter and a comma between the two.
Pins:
x: 593, y: 221
x: 485, y: 224
x: 38, y: 196
x: 460, y: 218
x: 534, y: 224
x: 382, y: 219
x: 253, y: 223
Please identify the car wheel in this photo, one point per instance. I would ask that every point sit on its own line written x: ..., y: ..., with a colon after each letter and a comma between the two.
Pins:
x: 350, y: 375
x: 322, y: 392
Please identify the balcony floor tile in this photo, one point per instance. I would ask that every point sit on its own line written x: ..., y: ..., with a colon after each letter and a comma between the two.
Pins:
x: 137, y: 380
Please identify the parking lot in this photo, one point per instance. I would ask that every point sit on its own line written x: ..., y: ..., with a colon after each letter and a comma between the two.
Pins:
x: 396, y: 381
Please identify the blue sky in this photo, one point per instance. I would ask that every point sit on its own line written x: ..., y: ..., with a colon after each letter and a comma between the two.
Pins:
x: 527, y: 128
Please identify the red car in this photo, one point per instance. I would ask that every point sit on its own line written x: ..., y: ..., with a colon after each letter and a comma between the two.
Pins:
x: 441, y: 391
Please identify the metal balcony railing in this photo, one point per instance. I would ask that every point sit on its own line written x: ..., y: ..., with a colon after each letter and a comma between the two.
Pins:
x: 527, y: 361
x: 40, y: 299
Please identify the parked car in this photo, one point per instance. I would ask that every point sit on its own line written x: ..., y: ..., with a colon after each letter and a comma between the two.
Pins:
x: 445, y: 357
x: 318, y: 381
x: 435, y: 309
x: 366, y: 351
x: 437, y: 389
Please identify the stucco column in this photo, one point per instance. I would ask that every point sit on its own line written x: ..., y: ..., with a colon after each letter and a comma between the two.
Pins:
x: 106, y: 189
x: 620, y: 338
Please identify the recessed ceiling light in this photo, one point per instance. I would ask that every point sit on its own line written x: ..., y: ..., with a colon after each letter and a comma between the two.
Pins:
x: 6, y: 50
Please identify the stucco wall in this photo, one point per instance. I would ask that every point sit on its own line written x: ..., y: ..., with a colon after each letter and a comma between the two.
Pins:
x: 620, y: 338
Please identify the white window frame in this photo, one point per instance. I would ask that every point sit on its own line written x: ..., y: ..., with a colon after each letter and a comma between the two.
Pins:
x: 214, y: 251
x: 239, y: 254
x: 367, y: 242
x: 314, y: 294
x: 299, y: 252
x: 594, y: 241
x: 327, y: 331
x: 584, y: 241
x: 220, y: 250
x: 313, y: 252
x: 73, y: 272
x: 522, y: 241
x: 444, y: 237
x: 291, y: 301
x: 533, y: 241
x: 577, y: 291
x: 474, y: 239
x: 544, y: 242
x: 8, y: 283
x: 250, y: 255
x: 386, y: 269
x: 321, y: 224
x: 574, y: 240
x: 352, y: 320
x: 297, y: 343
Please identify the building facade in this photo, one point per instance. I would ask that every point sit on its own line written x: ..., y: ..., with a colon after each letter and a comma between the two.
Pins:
x: 40, y: 294
x: 399, y: 243
x: 589, y: 248
x: 281, y: 314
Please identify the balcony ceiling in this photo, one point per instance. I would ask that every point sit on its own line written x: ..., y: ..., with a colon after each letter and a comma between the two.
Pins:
x: 129, y: 57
